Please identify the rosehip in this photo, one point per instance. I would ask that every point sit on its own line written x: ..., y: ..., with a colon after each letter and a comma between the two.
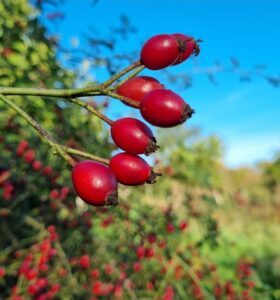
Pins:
x: 159, y: 52
x: 136, y: 88
x: 22, y: 146
x: 37, y: 165
x: 183, y: 225
x: 131, y: 169
x: 133, y: 136
x: 164, y: 108
x: 136, y: 267
x: 29, y: 156
x: 95, y: 183
x: 85, y: 261
x: 187, y: 46
x: 2, y: 272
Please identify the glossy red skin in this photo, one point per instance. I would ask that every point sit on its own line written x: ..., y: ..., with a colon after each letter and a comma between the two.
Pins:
x: 190, y: 47
x: 130, y: 169
x: 162, y: 108
x: 131, y: 135
x: 136, y: 88
x: 93, y: 182
x: 159, y: 52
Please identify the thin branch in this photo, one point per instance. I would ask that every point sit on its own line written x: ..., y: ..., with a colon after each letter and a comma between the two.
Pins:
x: 85, y: 154
x: 131, y: 75
x: 90, y: 109
x: 122, y: 98
x: 64, y: 93
x: 121, y: 73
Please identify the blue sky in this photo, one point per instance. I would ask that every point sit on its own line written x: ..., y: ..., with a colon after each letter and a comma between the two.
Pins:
x: 245, y: 115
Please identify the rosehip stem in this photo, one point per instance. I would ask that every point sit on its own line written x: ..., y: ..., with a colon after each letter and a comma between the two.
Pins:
x: 131, y: 75
x: 90, y: 109
x: 122, y: 98
x: 64, y: 93
x: 41, y: 131
x: 121, y: 73
x: 85, y: 154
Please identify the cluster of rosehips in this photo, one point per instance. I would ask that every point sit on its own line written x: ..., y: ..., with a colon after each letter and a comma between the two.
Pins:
x: 96, y: 183
x: 34, y: 268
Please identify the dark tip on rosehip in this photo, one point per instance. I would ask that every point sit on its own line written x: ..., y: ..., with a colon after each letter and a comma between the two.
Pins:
x: 187, y: 46
x: 95, y: 183
x: 133, y: 136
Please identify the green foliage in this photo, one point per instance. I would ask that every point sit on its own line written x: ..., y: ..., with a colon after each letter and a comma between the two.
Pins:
x: 196, y: 159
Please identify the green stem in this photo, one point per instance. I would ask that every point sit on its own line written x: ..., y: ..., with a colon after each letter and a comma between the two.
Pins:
x: 42, y: 132
x: 85, y: 154
x: 65, y: 93
x: 131, y: 75
x: 121, y: 73
x: 90, y: 109
x: 122, y: 98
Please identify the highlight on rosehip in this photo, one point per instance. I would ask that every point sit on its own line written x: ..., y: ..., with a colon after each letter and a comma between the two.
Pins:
x: 135, y: 150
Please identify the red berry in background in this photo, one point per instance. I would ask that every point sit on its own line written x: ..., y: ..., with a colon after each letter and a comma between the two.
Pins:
x: 47, y: 171
x: 164, y: 108
x: 2, y: 272
x: 187, y: 46
x: 149, y: 253
x: 170, y: 228
x: 131, y: 169
x: 137, y: 267
x: 152, y: 238
x: 95, y: 183
x: 140, y: 252
x: 29, y: 156
x: 54, y: 194
x: 8, y: 190
x: 22, y: 146
x: 95, y: 273
x: 133, y: 136
x: 85, y: 261
x: 37, y: 165
x: 159, y: 52
x: 136, y: 88
x: 183, y: 225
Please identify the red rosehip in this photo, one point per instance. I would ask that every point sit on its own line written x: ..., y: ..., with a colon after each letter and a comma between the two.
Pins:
x: 137, y: 267
x: 54, y: 194
x: 152, y: 238
x: 133, y: 136
x: 37, y: 165
x: 149, y: 252
x: 183, y: 225
x: 170, y: 228
x: 136, y: 88
x: 33, y: 289
x: 2, y: 272
x: 187, y: 46
x: 95, y: 273
x: 140, y: 252
x: 47, y: 171
x: 131, y: 169
x: 159, y: 52
x: 29, y: 156
x: 85, y: 261
x: 164, y: 108
x: 22, y: 146
x: 31, y: 274
x: 95, y: 183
